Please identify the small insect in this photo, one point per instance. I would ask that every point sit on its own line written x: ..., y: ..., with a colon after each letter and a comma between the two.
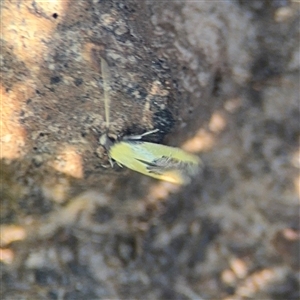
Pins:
x: 154, y: 160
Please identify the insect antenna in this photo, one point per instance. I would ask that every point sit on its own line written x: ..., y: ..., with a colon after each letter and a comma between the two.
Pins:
x: 104, y: 140
x: 106, y: 86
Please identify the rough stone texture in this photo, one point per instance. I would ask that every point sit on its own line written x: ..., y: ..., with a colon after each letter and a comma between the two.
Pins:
x: 221, y: 79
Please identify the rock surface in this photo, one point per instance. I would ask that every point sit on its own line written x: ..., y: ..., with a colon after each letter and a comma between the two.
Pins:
x: 219, y: 79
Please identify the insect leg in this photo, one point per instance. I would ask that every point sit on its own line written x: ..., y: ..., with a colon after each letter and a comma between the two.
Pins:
x: 139, y: 137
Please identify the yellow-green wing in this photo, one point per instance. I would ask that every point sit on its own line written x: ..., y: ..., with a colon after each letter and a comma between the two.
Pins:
x: 155, y: 160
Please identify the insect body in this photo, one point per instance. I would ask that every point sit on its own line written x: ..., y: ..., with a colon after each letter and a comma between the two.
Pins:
x: 154, y: 160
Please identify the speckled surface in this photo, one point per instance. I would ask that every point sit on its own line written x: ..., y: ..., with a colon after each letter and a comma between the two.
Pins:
x: 221, y: 79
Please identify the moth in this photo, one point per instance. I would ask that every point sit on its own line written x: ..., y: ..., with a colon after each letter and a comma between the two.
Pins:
x: 155, y: 160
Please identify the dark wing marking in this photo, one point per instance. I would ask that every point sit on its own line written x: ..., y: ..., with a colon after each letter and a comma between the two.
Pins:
x: 152, y: 167
x: 164, y: 164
